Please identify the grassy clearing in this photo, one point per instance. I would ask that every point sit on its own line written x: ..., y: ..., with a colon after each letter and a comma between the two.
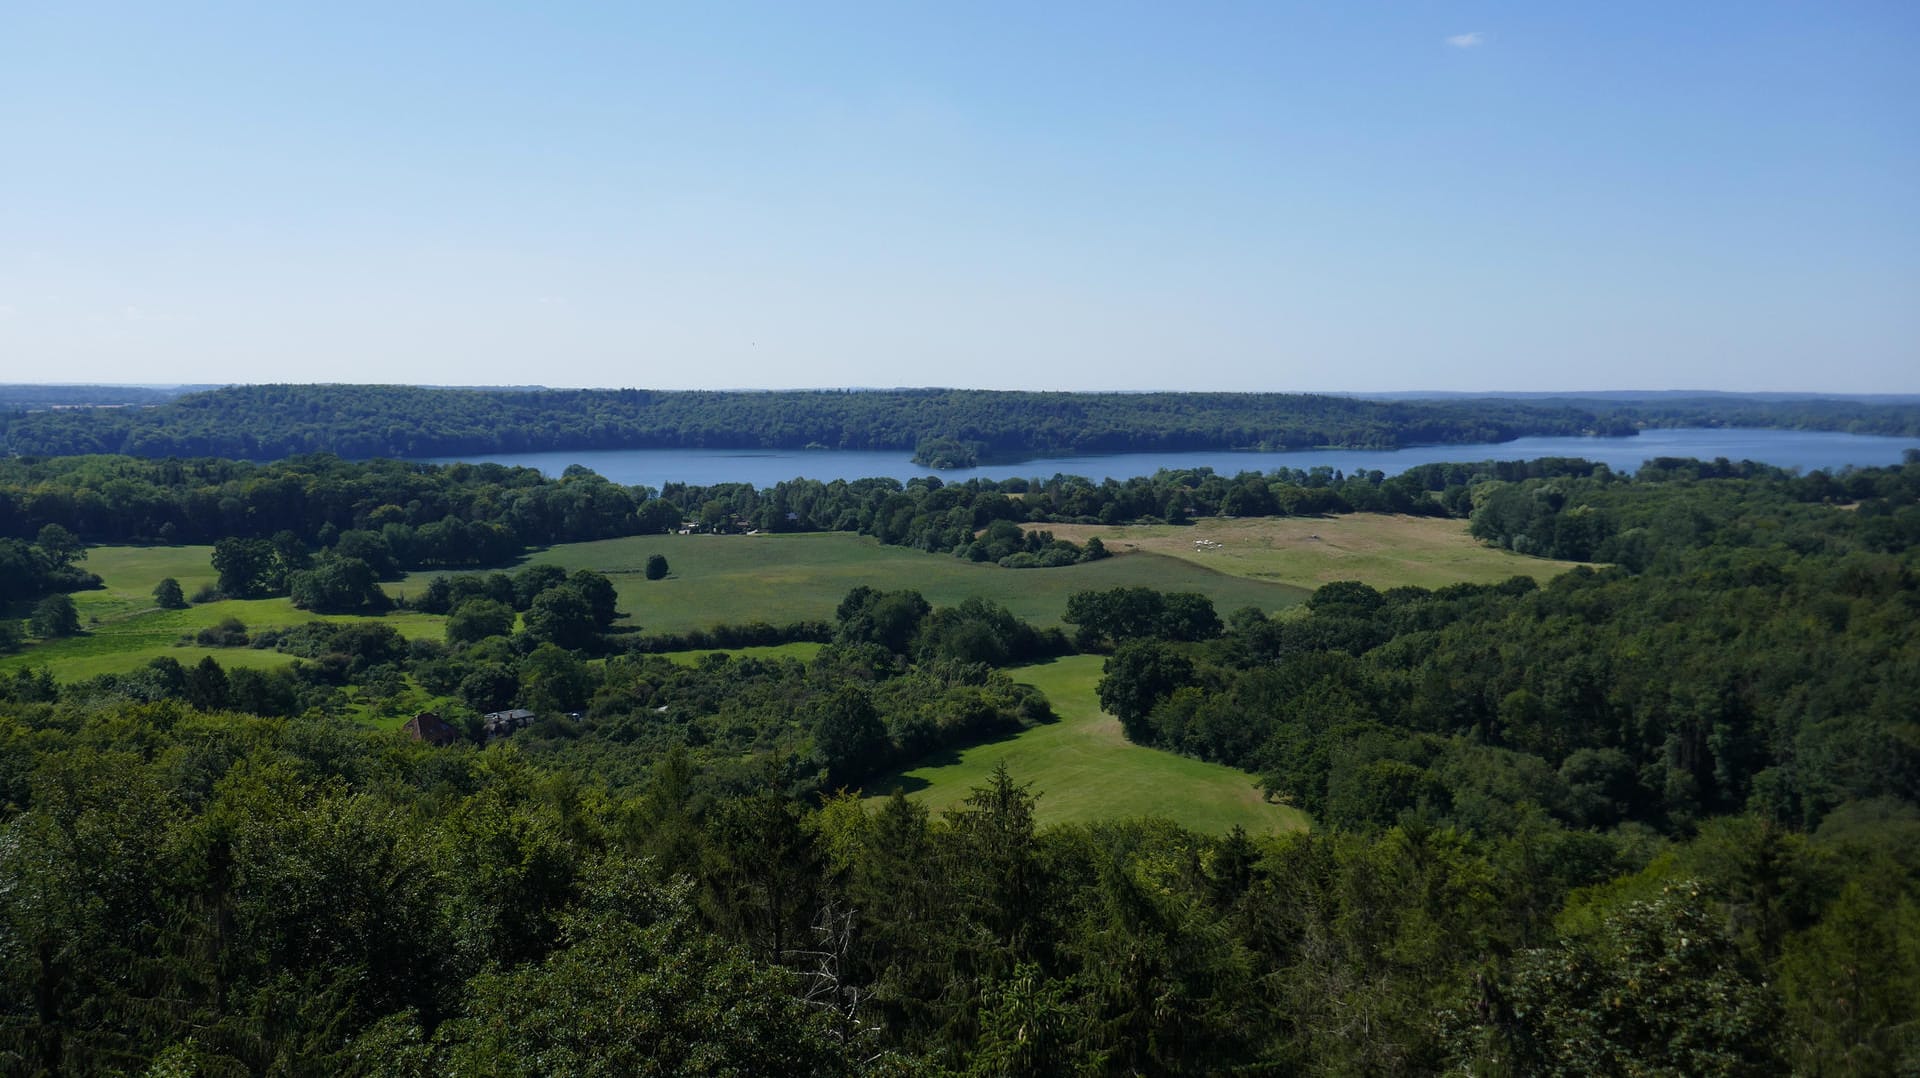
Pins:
x: 732, y: 579
x: 1380, y: 549
x: 125, y: 630
x: 801, y: 650
x: 1084, y: 769
x: 132, y: 572
x: 71, y: 663
x: 117, y: 645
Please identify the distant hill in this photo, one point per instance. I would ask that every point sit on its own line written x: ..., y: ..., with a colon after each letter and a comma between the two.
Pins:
x: 948, y: 425
x: 20, y: 397
x: 944, y: 427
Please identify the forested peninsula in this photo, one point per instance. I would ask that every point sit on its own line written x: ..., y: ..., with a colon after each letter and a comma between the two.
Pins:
x: 941, y: 427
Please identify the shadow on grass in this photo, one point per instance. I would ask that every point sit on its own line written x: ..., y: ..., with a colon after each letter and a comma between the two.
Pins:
x: 941, y: 757
x: 1054, y: 660
x: 904, y: 784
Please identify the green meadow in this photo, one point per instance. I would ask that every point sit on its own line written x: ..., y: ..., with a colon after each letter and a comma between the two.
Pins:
x: 132, y: 572
x: 732, y: 579
x: 125, y: 630
x: 1083, y: 768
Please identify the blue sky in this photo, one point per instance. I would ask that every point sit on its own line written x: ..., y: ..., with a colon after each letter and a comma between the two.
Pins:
x: 1268, y: 196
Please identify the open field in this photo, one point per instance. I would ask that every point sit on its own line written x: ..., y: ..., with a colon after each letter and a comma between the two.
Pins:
x: 1380, y: 549
x: 1084, y: 769
x: 125, y: 630
x: 132, y: 572
x: 801, y: 650
x: 119, y: 644
x: 784, y: 578
x: 79, y: 658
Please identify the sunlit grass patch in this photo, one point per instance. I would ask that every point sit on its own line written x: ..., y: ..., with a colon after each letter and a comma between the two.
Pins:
x: 1381, y: 549
x: 1084, y: 769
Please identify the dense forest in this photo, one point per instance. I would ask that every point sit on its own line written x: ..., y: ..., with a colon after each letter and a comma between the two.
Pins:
x: 943, y: 427
x: 1659, y: 817
x: 268, y: 422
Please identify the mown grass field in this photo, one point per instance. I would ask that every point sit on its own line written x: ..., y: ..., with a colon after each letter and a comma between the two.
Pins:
x: 731, y: 579
x: 1381, y: 549
x: 801, y: 650
x: 125, y: 630
x: 1084, y: 769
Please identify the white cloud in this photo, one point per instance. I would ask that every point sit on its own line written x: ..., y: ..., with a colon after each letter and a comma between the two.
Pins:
x: 1467, y: 40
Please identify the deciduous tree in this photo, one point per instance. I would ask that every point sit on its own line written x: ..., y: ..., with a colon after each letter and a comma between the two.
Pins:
x: 168, y: 595
x: 54, y: 616
x: 477, y: 619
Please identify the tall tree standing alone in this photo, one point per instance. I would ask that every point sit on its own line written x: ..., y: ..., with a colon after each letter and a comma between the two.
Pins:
x: 167, y: 593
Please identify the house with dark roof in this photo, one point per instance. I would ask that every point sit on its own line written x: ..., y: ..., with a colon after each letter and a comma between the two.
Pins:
x: 430, y: 728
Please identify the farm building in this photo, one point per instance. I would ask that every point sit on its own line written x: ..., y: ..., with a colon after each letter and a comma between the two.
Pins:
x: 502, y: 723
x: 430, y: 728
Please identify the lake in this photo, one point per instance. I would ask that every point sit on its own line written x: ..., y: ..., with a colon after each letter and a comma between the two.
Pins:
x: 1805, y: 450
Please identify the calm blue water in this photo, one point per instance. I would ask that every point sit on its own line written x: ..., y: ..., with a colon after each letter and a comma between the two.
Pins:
x: 1806, y: 450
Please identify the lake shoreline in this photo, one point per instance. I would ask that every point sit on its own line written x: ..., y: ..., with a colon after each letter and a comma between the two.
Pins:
x: 1805, y: 450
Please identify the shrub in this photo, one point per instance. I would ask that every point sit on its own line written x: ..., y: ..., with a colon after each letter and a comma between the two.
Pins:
x: 228, y: 632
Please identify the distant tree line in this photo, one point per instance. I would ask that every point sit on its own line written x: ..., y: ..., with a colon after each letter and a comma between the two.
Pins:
x: 307, y: 514
x: 942, y: 427
x: 398, y: 516
x: 393, y: 515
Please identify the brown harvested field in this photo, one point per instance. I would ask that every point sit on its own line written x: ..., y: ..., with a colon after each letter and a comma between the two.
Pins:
x: 1384, y: 550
